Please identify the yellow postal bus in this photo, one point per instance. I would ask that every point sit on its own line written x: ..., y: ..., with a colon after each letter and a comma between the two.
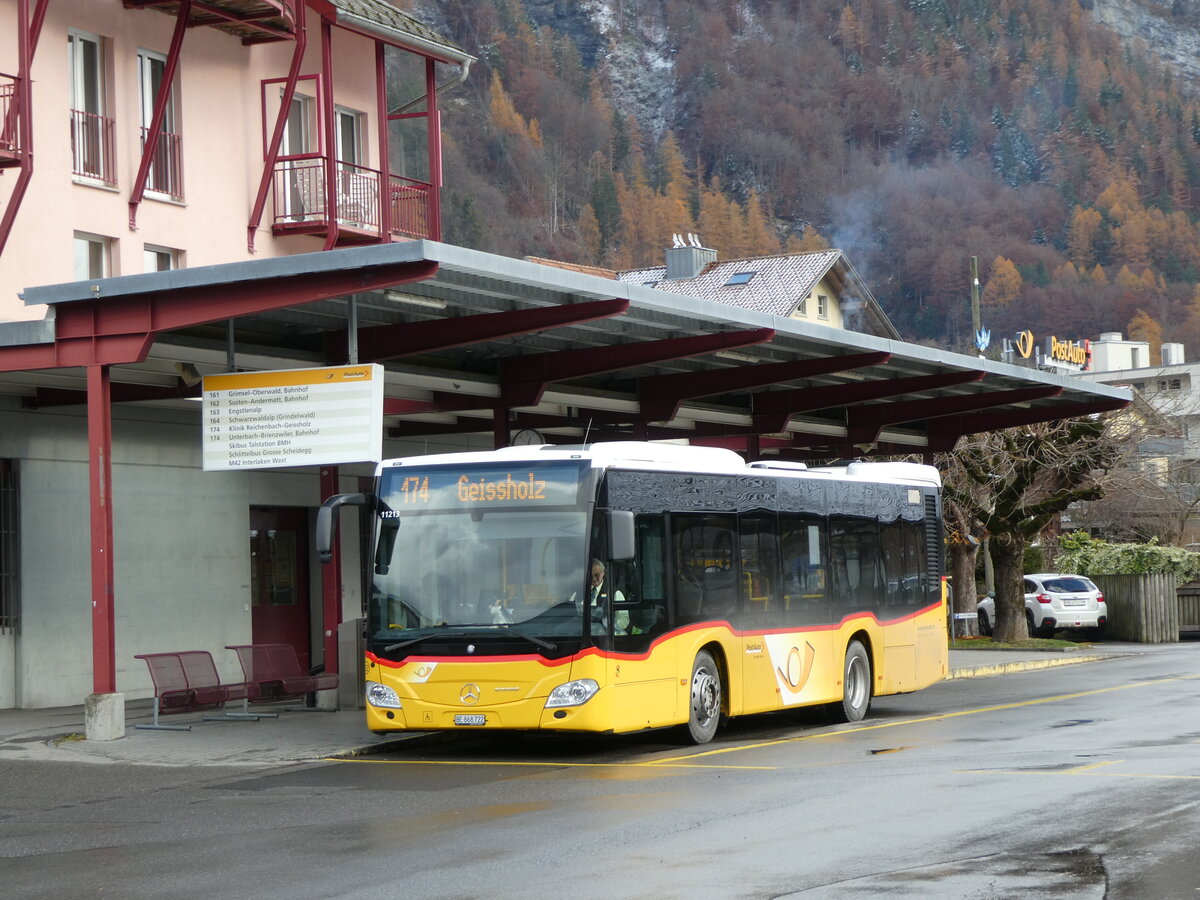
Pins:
x: 620, y: 586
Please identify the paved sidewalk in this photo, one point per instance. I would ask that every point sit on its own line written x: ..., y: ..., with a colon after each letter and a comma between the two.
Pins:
x: 303, y: 737
x: 978, y: 663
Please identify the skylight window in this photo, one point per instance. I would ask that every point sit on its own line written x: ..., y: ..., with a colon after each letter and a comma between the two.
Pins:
x: 740, y: 278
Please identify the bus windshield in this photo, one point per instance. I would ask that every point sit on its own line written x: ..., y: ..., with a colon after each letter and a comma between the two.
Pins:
x: 479, y: 553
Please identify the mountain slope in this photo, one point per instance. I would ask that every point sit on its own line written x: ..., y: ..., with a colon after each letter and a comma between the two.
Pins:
x: 913, y: 134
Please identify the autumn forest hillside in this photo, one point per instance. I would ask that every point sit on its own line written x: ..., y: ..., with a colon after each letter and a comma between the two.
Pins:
x: 913, y: 134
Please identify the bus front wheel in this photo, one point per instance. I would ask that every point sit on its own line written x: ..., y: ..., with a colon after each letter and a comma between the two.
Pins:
x: 704, y: 706
x: 856, y: 685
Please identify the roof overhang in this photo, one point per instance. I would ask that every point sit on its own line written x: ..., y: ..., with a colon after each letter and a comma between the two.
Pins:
x: 474, y: 342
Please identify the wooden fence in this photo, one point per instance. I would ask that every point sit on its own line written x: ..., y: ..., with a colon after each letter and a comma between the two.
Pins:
x: 1189, y: 607
x: 1141, y: 608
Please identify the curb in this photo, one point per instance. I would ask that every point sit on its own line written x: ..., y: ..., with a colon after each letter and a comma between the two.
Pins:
x: 1023, y: 666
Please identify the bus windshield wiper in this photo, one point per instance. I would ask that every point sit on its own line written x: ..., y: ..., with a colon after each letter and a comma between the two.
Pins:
x: 416, y: 640
x: 545, y: 645
x: 537, y: 641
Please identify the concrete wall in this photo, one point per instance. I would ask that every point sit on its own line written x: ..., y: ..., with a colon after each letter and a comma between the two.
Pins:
x: 181, y: 554
x: 181, y: 549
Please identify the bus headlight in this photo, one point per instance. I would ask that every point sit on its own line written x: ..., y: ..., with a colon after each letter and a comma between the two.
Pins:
x: 573, y: 693
x: 382, y: 695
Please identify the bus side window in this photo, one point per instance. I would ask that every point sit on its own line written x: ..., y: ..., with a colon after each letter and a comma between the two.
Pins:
x: 805, y: 579
x: 855, y: 564
x: 759, y: 545
x: 703, y: 573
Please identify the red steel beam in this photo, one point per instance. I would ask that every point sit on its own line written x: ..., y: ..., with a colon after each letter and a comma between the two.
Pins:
x: 285, y: 104
x: 524, y: 378
x: 331, y: 580
x: 28, y: 33
x: 950, y: 428
x: 44, y: 398
x: 773, y: 410
x: 329, y: 161
x: 120, y: 330
x: 407, y: 338
x: 160, y: 110
x: 864, y: 423
x: 104, y: 657
x: 662, y: 395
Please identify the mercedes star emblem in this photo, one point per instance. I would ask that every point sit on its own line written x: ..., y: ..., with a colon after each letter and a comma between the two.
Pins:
x: 469, y: 693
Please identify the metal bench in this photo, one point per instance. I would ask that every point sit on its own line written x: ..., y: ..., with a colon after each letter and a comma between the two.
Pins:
x: 187, y: 681
x: 275, y: 672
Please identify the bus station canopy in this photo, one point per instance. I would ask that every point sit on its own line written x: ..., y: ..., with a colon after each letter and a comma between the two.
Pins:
x: 474, y: 343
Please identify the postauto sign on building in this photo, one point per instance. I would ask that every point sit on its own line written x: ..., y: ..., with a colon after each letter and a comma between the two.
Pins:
x: 1072, y: 355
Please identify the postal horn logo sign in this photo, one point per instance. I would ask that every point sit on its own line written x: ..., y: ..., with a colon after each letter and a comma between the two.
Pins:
x: 1025, y: 344
x: 797, y: 667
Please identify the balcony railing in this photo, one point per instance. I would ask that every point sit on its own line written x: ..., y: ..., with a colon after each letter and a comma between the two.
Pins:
x: 10, y: 144
x: 410, y: 207
x: 166, y: 165
x: 93, y: 148
x: 299, y: 197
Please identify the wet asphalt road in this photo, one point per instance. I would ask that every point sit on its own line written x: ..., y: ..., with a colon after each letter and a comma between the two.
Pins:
x: 1077, y: 782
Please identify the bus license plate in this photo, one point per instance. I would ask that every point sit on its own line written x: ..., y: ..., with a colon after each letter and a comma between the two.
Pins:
x: 470, y: 719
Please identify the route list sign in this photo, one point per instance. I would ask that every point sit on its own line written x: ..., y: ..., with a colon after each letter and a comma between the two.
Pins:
x: 295, y: 417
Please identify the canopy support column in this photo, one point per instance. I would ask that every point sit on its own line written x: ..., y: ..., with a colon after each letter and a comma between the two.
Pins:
x: 331, y: 582
x: 104, y: 718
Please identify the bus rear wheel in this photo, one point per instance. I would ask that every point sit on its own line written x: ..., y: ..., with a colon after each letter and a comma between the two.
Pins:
x: 856, y: 685
x: 704, y: 705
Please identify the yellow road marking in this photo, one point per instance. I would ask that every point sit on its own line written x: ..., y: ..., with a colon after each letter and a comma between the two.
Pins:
x: 531, y: 764
x: 687, y: 761
x: 941, y: 717
x: 1091, y: 767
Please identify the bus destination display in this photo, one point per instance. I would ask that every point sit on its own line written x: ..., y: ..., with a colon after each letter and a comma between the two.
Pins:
x: 481, y: 488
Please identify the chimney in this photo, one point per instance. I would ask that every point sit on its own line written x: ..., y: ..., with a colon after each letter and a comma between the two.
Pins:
x: 687, y: 258
x: 1172, y: 354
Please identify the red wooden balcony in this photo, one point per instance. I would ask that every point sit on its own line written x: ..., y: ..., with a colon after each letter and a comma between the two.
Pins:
x: 93, y: 149
x: 10, y: 145
x: 254, y: 21
x: 300, y: 201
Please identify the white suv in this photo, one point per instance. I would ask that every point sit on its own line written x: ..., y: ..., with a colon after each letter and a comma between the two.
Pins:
x: 1054, y: 602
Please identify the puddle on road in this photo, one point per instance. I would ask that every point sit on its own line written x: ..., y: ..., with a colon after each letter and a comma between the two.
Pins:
x: 1079, y: 874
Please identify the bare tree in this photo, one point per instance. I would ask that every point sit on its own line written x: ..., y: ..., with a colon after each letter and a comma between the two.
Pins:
x: 1015, y: 482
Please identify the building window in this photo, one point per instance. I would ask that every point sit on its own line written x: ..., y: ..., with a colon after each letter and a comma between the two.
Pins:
x: 358, y: 187
x: 802, y: 309
x: 92, y: 143
x: 740, y: 278
x: 302, y: 190
x: 10, y: 549
x: 93, y: 256
x: 160, y: 259
x: 165, y: 177
x: 822, y: 306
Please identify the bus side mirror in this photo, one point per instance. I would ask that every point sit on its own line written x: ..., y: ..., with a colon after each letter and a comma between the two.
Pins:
x: 325, y: 521
x: 621, y: 544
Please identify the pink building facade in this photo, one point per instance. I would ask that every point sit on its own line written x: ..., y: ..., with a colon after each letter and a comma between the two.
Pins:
x: 144, y: 136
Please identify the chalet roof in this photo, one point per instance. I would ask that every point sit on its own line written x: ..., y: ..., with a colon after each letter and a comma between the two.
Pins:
x: 386, y: 21
x: 263, y: 20
x: 778, y: 285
